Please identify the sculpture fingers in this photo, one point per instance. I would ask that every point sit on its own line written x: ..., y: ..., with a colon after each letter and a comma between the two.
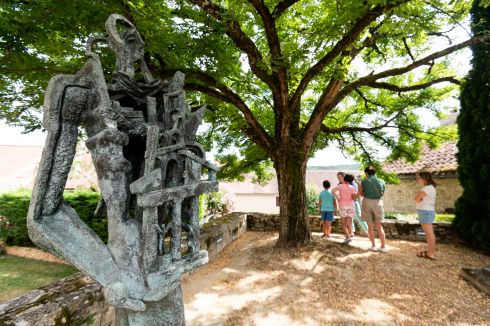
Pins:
x: 117, y: 295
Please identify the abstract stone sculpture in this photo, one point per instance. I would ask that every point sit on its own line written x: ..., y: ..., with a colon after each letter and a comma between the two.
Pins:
x: 141, y: 136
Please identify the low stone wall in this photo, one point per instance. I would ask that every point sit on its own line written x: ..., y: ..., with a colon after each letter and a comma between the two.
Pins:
x: 412, y: 231
x: 400, y: 198
x: 78, y: 300
x: 269, y: 222
x: 400, y: 230
x: 74, y: 300
x: 217, y: 234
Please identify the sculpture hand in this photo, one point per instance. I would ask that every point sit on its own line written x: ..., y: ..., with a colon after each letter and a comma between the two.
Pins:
x: 117, y: 294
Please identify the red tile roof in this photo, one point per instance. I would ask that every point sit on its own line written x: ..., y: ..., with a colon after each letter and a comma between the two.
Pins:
x: 439, y: 160
x: 14, y: 157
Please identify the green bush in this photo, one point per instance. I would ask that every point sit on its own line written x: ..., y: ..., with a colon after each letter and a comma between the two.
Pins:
x: 216, y: 203
x: 413, y: 216
x: 14, y: 207
x: 311, y: 200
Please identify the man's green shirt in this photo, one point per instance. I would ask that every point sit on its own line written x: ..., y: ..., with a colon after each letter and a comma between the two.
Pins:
x: 372, y: 187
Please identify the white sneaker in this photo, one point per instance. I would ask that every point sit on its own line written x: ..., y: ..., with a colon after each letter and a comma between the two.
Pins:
x: 347, y: 240
x: 383, y: 250
x: 373, y: 249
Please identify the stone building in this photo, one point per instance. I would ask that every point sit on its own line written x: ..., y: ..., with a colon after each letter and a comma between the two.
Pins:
x: 441, y: 163
x: 252, y: 197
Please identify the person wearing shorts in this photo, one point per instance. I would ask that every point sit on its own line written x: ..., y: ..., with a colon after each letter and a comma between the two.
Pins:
x: 327, y: 205
x: 425, y: 205
x: 344, y: 194
x: 372, y: 189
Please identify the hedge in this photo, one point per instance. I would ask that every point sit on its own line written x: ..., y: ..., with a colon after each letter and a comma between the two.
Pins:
x: 14, y: 207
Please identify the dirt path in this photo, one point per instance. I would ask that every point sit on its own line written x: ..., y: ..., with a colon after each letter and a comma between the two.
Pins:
x: 254, y: 283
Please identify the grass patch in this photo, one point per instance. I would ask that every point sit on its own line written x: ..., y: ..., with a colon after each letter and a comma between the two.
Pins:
x: 444, y: 217
x: 414, y: 217
x: 20, y: 275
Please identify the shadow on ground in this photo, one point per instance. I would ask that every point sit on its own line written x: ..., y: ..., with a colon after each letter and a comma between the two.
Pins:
x: 254, y: 283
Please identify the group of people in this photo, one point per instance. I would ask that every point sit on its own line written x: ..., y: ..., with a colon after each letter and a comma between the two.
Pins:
x: 344, y: 199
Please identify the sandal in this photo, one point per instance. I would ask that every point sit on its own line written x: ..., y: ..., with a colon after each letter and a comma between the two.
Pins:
x: 424, y: 254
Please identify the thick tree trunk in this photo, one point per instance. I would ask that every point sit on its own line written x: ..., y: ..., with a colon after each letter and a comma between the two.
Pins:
x: 291, y: 175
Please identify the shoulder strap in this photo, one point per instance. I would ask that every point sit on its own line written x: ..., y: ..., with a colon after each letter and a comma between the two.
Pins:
x: 375, y: 188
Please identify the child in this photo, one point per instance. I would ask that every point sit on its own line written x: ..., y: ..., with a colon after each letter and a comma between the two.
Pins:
x: 426, y: 199
x: 327, y: 205
x: 344, y: 193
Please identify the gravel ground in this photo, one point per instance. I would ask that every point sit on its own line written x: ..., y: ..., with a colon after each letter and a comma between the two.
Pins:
x: 326, y: 283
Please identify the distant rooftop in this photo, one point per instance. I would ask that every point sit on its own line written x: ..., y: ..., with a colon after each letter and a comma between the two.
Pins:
x: 439, y: 160
x: 14, y: 157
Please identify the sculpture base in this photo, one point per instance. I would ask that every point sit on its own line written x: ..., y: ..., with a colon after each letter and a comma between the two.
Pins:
x: 168, y: 311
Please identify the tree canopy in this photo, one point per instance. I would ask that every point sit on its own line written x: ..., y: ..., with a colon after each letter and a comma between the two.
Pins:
x: 283, y: 77
x: 245, y: 54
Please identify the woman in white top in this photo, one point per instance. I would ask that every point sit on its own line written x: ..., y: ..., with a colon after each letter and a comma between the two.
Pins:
x: 426, y: 200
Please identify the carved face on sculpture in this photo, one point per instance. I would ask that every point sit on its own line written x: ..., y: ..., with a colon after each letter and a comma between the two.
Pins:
x: 134, y: 44
x: 125, y: 41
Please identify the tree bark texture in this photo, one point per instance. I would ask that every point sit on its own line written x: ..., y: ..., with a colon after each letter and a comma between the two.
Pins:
x: 291, y: 176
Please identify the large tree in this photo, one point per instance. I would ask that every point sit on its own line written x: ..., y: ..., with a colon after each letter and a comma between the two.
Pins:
x: 283, y: 77
x: 473, y: 207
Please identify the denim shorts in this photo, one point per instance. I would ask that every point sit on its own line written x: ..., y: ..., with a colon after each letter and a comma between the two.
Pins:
x: 426, y: 217
x: 327, y: 216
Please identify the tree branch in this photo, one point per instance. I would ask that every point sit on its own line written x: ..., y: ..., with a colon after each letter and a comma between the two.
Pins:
x: 241, y: 40
x: 328, y: 130
x: 347, y: 40
x: 321, y: 109
x: 400, y: 71
x: 396, y: 88
x: 279, y: 73
x: 255, y: 131
x: 282, y: 7
x: 408, y: 49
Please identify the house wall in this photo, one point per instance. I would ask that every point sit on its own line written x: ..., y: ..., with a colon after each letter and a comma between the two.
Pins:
x: 400, y: 198
x: 257, y: 203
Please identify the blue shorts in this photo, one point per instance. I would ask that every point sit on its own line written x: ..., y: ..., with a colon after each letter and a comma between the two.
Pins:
x: 426, y: 217
x: 327, y: 216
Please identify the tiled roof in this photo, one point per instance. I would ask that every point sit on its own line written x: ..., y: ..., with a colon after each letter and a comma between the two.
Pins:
x: 439, y: 160
x: 14, y: 157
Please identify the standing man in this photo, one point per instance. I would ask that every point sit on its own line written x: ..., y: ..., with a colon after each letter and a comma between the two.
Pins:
x: 372, y: 211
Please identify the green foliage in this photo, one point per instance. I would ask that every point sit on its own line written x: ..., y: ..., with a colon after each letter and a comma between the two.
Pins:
x: 473, y: 207
x: 84, y: 203
x: 14, y: 207
x: 311, y: 200
x: 202, y: 206
x: 216, y: 203
x: 413, y: 217
x: 13, y: 218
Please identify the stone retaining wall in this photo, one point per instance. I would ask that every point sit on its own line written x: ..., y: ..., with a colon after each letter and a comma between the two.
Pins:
x: 74, y: 300
x: 400, y: 230
x: 399, y: 198
x: 78, y: 300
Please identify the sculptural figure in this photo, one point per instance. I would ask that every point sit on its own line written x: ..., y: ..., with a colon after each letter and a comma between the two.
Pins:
x: 141, y: 136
